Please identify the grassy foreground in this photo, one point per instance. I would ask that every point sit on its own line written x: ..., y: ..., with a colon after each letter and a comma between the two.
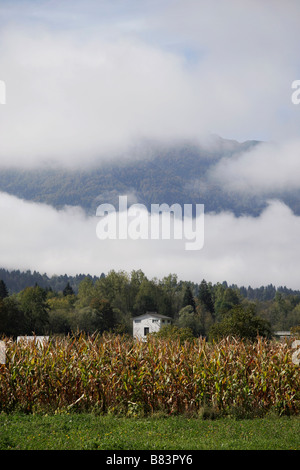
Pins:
x: 84, y: 431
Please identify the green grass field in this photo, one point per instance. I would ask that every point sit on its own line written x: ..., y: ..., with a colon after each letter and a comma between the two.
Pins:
x: 91, y: 432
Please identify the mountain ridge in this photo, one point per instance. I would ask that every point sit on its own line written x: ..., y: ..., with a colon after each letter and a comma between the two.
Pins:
x: 164, y: 174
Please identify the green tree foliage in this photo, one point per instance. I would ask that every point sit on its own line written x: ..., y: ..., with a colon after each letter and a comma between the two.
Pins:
x: 86, y: 291
x: 110, y: 302
x: 32, y: 302
x: 12, y: 319
x: 175, y: 332
x: 3, y: 290
x: 188, y: 298
x: 171, y: 292
x: 104, y: 319
x: 189, y: 318
x: 240, y: 322
x: 225, y: 299
x: 205, y: 297
x: 60, y: 312
x: 146, y: 299
x: 68, y: 290
x: 115, y: 288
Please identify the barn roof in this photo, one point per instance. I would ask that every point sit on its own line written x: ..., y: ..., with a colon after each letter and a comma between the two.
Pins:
x: 154, y: 315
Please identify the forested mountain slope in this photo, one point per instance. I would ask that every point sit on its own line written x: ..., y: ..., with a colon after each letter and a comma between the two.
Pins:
x: 152, y: 174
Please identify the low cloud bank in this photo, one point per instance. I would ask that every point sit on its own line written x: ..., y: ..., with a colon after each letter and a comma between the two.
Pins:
x: 245, y: 250
x: 268, y: 167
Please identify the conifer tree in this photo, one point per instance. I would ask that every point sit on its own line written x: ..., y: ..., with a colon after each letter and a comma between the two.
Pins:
x: 205, y: 297
x: 188, y: 298
x: 3, y: 290
x: 68, y: 290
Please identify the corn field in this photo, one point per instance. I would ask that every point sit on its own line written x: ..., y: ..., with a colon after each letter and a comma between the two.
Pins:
x: 120, y: 375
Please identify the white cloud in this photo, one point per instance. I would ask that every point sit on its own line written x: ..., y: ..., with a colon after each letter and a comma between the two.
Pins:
x: 244, y: 250
x: 266, y: 168
x: 88, y: 80
x: 71, y: 102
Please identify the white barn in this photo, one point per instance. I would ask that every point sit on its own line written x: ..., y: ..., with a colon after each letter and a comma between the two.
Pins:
x: 282, y: 335
x: 38, y: 340
x: 149, y: 322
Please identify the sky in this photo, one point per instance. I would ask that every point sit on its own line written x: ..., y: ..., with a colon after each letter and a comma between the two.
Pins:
x: 87, y: 79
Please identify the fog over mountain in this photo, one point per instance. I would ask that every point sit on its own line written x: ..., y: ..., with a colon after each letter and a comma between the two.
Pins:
x: 223, y: 174
x: 166, y: 102
x: 149, y: 173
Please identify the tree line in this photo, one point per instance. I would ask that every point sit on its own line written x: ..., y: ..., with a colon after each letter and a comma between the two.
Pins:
x: 17, y: 280
x: 108, y: 303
